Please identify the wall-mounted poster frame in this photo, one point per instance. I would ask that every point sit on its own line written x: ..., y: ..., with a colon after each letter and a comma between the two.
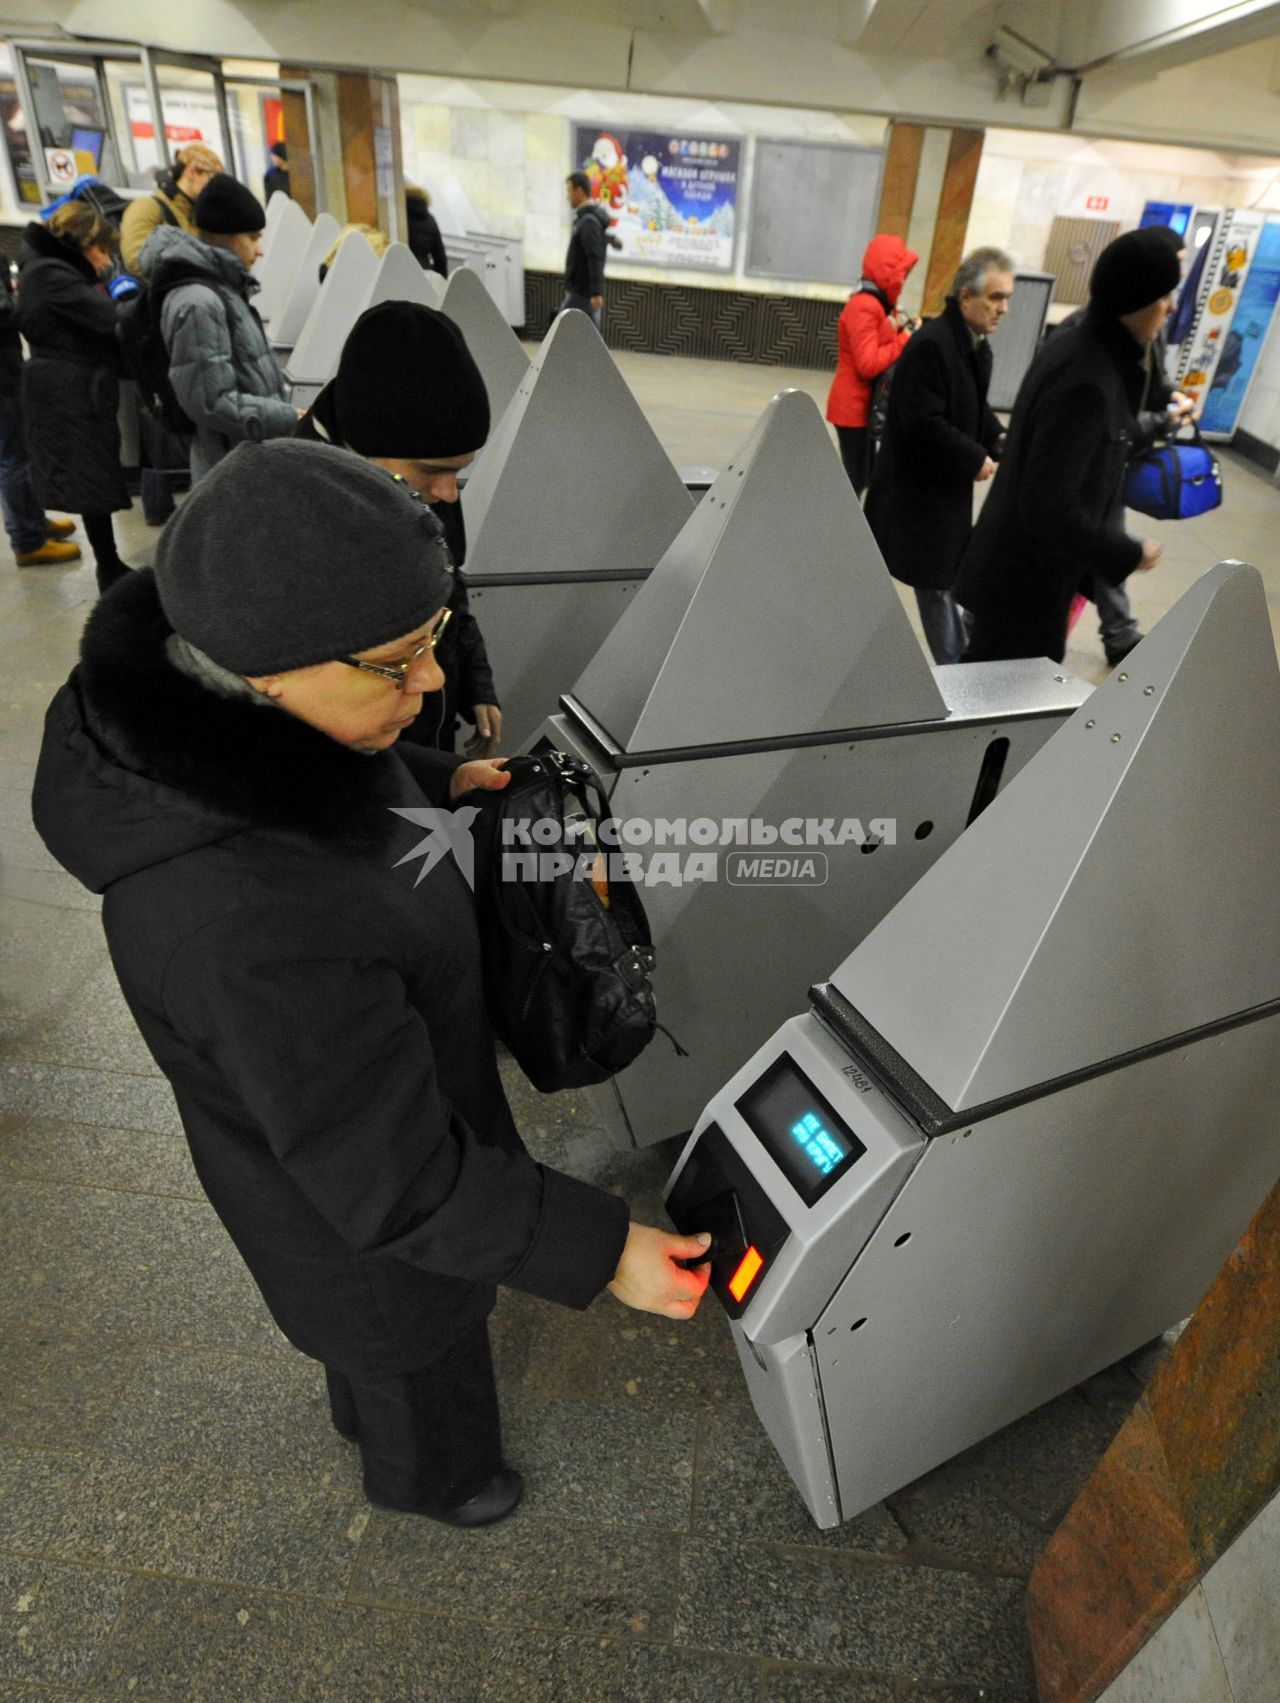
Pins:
x: 813, y: 209
x: 672, y: 196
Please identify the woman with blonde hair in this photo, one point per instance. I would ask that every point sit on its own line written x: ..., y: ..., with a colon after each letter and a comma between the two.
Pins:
x: 375, y: 238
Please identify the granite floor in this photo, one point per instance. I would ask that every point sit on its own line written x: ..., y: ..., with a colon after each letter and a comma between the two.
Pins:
x: 178, y: 1520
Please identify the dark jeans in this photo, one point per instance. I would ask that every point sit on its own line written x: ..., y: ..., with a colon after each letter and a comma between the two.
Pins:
x: 1117, y: 626
x: 23, y: 517
x: 583, y: 304
x: 943, y: 624
x: 157, y: 498
x: 855, y: 452
x: 431, y: 1439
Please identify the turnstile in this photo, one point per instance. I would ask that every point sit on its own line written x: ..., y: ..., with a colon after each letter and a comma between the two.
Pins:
x: 494, y: 346
x: 568, y: 509
x: 1026, y: 1121
x: 766, y: 673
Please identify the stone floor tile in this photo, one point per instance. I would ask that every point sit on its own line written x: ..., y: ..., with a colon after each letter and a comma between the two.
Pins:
x: 36, y: 1490
x: 612, y: 1353
x: 58, y: 1388
x: 870, y: 1616
x: 523, y: 1572
x: 790, y: 1684
x: 89, y: 1096
x: 144, y: 1265
x: 744, y: 1494
x: 1039, y: 1463
x: 602, y: 1463
x: 967, y: 1522
x: 54, y: 1620
x: 693, y: 1676
x: 208, y: 1525
x: 92, y: 1029
x: 50, y: 953
x: 46, y: 887
x: 246, y: 1415
x: 277, y: 1650
x: 138, y: 1161
x: 159, y: 1641
x: 585, y: 1151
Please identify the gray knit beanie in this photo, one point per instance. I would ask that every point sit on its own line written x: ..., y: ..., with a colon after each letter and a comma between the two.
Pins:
x: 291, y: 553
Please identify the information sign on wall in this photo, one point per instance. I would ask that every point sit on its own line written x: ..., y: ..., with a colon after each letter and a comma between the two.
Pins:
x: 673, y: 197
x: 190, y: 115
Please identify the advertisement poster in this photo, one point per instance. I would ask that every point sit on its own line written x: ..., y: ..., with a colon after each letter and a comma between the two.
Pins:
x: 1225, y: 273
x: 1243, y: 343
x: 190, y: 115
x: 673, y: 198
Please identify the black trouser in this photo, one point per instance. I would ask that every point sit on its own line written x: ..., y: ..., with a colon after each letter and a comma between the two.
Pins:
x: 102, y: 541
x: 855, y: 452
x: 430, y: 1439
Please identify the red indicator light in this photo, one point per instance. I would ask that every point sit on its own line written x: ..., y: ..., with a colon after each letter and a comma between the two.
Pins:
x: 746, y: 1273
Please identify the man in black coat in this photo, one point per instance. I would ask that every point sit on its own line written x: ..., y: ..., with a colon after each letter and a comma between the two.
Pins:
x: 940, y: 438
x: 1053, y: 516
x: 222, y: 767
x: 408, y: 395
x: 584, y: 258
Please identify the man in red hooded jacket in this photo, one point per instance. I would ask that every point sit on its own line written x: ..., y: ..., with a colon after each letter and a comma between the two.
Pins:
x: 872, y: 334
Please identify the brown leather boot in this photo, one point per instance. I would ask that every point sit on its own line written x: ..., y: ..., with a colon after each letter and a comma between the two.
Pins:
x: 52, y: 550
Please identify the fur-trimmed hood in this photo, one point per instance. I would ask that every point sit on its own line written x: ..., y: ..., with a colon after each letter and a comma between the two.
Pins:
x: 39, y: 243
x: 141, y: 763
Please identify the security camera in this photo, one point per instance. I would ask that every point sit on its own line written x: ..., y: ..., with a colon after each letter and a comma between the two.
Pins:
x: 1019, y: 55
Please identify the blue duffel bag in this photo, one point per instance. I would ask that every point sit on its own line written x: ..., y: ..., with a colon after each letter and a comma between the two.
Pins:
x: 1177, y: 481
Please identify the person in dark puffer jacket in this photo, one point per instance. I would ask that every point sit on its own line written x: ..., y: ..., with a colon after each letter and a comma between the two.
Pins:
x: 220, y: 362
x: 35, y: 541
x: 71, y: 384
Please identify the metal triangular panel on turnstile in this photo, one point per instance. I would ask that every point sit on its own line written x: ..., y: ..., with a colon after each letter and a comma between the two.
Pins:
x: 771, y: 615
x: 573, y: 480
x: 287, y: 326
x: 276, y: 204
x: 494, y: 346
x: 1120, y: 891
x: 401, y: 278
x: 334, y: 312
x: 275, y: 271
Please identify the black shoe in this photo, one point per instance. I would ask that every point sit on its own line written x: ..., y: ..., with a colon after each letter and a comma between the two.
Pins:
x: 112, y: 575
x: 1117, y: 653
x: 500, y: 1497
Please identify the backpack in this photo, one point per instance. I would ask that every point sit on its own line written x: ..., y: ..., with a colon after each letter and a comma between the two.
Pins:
x: 564, y: 938
x: 145, y: 356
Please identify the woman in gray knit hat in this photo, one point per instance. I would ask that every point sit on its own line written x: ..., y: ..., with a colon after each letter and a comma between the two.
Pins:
x: 223, y: 766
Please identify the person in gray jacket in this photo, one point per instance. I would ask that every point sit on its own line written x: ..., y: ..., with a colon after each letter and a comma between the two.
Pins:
x: 220, y: 362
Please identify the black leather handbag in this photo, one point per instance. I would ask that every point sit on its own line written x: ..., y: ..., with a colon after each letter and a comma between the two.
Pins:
x: 565, y: 940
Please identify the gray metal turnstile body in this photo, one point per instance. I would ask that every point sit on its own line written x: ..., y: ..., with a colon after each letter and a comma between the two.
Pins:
x: 1030, y: 1116
x: 335, y: 310
x: 494, y: 346
x: 568, y: 510
x: 286, y: 326
x: 767, y: 671
x: 280, y: 258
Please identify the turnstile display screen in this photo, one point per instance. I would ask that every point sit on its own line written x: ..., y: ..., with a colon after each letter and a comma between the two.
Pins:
x: 799, y: 1130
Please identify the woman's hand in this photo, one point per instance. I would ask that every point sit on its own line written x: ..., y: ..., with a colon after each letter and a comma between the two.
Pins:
x: 488, y: 734
x: 648, y: 1278
x: 480, y: 775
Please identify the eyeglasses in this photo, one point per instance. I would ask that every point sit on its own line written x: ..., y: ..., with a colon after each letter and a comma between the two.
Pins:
x: 399, y: 672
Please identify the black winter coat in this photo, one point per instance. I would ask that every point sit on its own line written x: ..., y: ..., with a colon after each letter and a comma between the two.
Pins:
x: 10, y: 339
x: 70, y: 386
x: 1053, y: 514
x: 317, y: 1010
x: 425, y: 240
x: 938, y: 432
x: 461, y: 653
x: 584, y: 258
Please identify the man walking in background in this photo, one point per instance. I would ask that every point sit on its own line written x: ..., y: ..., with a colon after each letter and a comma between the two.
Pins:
x: 940, y: 439
x: 584, y: 261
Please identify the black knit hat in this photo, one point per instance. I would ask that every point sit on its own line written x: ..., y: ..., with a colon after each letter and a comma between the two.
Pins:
x: 407, y: 386
x: 1134, y: 271
x: 226, y: 208
x: 290, y: 553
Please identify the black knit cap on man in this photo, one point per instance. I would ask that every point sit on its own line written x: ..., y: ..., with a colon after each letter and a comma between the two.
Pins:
x: 408, y: 395
x: 1053, y: 518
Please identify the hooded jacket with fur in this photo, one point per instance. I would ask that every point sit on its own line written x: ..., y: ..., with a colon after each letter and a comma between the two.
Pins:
x: 312, y: 991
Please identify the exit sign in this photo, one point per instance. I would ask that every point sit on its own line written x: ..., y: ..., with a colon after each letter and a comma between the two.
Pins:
x: 1097, y: 203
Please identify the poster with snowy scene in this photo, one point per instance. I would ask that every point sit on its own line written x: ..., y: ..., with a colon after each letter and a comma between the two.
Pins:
x: 673, y: 198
